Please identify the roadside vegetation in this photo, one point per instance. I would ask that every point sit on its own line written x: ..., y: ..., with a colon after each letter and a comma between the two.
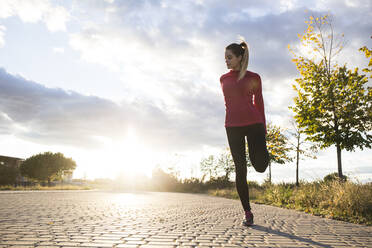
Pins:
x: 331, y: 197
x: 336, y: 199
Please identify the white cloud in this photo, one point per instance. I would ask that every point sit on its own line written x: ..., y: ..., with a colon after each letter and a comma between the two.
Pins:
x: 286, y: 5
x: 55, y: 17
x: 55, y: 116
x: 255, y: 12
x: 2, y: 34
x: 58, y: 50
x: 150, y: 65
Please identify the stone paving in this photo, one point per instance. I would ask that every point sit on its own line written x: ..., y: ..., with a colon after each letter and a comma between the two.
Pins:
x: 161, y: 220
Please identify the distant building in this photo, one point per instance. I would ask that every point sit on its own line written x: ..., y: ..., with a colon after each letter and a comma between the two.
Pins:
x: 11, y: 161
x: 16, y: 163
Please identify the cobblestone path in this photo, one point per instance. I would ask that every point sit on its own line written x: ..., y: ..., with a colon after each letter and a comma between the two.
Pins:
x: 160, y: 219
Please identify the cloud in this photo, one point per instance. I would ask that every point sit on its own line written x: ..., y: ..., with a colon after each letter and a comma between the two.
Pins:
x: 44, y: 115
x: 5, y: 123
x: 151, y: 44
x: 2, y: 34
x: 58, y: 50
x: 52, y: 115
x: 55, y: 17
x: 162, y: 50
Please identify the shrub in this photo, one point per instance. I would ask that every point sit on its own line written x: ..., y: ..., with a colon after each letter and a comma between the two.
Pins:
x: 333, y: 177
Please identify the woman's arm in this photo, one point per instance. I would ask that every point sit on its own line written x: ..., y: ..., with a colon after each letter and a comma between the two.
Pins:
x: 258, y: 99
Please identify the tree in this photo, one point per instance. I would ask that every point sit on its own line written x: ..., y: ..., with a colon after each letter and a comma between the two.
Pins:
x: 301, y: 146
x: 277, y: 146
x: 226, y: 163
x: 163, y: 181
x: 332, y: 103
x: 47, y: 166
x: 208, y: 166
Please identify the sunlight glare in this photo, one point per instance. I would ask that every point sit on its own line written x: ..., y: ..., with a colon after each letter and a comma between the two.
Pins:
x: 127, y: 158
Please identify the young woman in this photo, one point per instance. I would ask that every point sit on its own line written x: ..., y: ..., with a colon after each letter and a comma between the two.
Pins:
x: 245, y: 119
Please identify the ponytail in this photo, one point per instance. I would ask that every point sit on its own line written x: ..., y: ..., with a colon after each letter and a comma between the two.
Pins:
x: 244, y: 61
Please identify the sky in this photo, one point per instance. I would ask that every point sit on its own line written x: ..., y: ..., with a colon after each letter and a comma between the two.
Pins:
x: 124, y: 86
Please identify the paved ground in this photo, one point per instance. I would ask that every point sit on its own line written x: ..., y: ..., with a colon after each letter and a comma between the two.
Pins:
x: 155, y: 219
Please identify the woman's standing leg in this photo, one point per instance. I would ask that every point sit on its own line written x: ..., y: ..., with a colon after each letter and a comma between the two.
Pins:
x: 236, y: 139
x: 258, y: 153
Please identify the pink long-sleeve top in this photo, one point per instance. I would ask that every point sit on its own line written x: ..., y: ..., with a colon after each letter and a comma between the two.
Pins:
x: 243, y: 99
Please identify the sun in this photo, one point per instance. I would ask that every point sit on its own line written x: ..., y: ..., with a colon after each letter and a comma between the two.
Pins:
x: 128, y: 156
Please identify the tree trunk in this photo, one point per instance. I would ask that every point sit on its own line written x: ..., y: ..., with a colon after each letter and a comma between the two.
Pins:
x: 48, y: 182
x: 298, y: 157
x: 340, y: 175
x: 270, y: 173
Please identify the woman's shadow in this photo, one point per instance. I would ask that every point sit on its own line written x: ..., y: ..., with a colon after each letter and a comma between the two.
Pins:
x: 287, y: 235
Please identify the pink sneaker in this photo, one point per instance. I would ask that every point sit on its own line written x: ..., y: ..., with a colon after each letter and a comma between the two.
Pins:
x: 248, y: 218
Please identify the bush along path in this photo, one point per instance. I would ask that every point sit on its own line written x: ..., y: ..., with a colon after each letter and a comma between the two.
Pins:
x: 340, y: 200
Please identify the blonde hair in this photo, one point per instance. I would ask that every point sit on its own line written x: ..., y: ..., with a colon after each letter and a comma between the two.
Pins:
x: 245, y: 59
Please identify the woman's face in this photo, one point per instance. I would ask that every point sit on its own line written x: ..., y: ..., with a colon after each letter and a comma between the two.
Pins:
x: 232, y: 62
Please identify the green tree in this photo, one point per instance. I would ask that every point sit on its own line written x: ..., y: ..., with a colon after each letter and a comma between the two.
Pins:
x: 225, y: 163
x: 301, y: 146
x: 333, y: 105
x: 277, y: 146
x: 48, y: 166
x: 208, y: 166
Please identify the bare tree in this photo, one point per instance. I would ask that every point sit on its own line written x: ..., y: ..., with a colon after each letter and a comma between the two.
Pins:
x: 277, y: 146
x: 301, y: 146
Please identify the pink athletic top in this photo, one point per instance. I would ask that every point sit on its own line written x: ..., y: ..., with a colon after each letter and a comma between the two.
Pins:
x: 243, y: 99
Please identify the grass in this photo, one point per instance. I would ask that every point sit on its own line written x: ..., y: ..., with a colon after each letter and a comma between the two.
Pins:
x: 38, y: 187
x: 347, y: 201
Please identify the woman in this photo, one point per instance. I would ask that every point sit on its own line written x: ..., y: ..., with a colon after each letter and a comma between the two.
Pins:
x: 245, y: 118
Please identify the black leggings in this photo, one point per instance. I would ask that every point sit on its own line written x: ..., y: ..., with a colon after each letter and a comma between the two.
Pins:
x: 258, y: 155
